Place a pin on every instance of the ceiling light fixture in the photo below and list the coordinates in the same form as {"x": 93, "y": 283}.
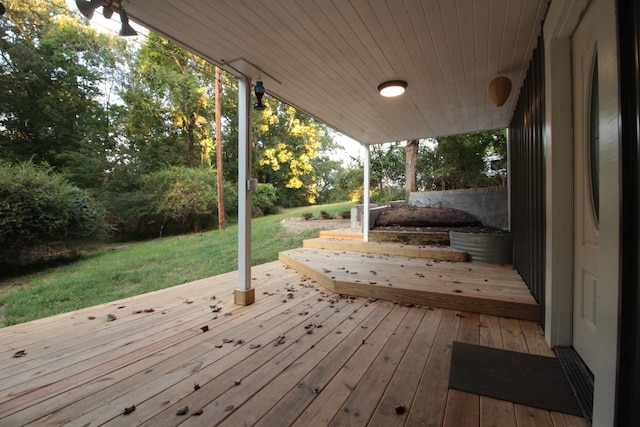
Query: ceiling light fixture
{"x": 392, "y": 88}
{"x": 87, "y": 7}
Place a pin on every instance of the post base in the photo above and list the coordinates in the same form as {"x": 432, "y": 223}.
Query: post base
{"x": 247, "y": 297}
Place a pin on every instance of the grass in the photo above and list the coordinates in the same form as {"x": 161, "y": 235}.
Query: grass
{"x": 119, "y": 272}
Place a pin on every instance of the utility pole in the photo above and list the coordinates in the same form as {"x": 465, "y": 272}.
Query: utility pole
{"x": 221, "y": 219}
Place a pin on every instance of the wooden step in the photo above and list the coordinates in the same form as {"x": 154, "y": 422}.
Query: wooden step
{"x": 473, "y": 287}
{"x": 342, "y": 234}
{"x": 410, "y": 237}
{"x": 442, "y": 253}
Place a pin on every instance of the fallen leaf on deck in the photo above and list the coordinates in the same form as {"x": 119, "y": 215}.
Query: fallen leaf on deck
{"x": 196, "y": 386}
{"x": 188, "y": 301}
{"x": 129, "y": 409}
{"x": 400, "y": 409}
{"x": 204, "y": 328}
{"x": 198, "y": 412}
{"x": 111, "y": 317}
{"x": 20, "y": 353}
{"x": 91, "y": 317}
{"x": 254, "y": 346}
{"x": 458, "y": 291}
{"x": 182, "y": 411}
{"x": 280, "y": 340}
{"x": 229, "y": 408}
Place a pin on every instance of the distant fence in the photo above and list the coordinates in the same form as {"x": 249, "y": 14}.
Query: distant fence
{"x": 489, "y": 205}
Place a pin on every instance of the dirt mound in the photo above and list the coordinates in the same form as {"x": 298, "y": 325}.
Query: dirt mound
{"x": 426, "y": 217}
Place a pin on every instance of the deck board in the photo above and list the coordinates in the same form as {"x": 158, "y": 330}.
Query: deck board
{"x": 366, "y": 358}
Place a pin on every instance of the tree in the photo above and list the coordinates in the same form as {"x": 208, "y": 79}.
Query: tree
{"x": 287, "y": 143}
{"x": 411, "y": 160}
{"x": 52, "y": 70}
{"x": 387, "y": 166}
{"x": 219, "y": 164}
{"x": 170, "y": 110}
{"x": 460, "y": 161}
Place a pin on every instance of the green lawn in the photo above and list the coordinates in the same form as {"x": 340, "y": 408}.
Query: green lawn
{"x": 141, "y": 267}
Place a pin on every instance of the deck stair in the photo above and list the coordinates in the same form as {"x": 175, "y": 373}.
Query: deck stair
{"x": 441, "y": 253}
{"x": 473, "y": 287}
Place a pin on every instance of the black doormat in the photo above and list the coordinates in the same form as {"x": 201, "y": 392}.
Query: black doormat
{"x": 530, "y": 380}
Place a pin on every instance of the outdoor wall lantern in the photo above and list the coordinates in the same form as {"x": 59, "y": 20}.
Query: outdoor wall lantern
{"x": 259, "y": 91}
{"x": 87, "y": 7}
{"x": 499, "y": 90}
{"x": 392, "y": 88}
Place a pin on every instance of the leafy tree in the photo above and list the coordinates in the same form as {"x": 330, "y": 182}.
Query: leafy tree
{"x": 349, "y": 183}
{"x": 287, "y": 143}
{"x": 52, "y": 70}
{"x": 170, "y": 110}
{"x": 387, "y": 166}
{"x": 460, "y": 161}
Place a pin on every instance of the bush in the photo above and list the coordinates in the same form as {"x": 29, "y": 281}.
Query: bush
{"x": 39, "y": 207}
{"x": 183, "y": 198}
{"x": 264, "y": 201}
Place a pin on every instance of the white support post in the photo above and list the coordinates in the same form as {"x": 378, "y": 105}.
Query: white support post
{"x": 244, "y": 295}
{"x": 367, "y": 185}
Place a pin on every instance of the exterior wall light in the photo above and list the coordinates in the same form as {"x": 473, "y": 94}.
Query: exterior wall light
{"x": 87, "y": 7}
{"x": 259, "y": 91}
{"x": 392, "y": 88}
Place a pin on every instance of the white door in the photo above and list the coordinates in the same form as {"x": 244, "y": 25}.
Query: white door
{"x": 586, "y": 193}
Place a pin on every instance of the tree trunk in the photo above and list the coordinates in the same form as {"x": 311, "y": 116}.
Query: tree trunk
{"x": 190, "y": 142}
{"x": 411, "y": 151}
{"x": 221, "y": 218}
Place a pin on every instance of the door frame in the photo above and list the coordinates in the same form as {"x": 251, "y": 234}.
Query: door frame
{"x": 561, "y": 20}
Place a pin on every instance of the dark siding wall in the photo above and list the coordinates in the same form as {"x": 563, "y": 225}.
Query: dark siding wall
{"x": 628, "y": 411}
{"x": 526, "y": 148}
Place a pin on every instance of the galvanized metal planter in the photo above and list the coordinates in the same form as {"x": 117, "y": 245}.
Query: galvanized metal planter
{"x": 484, "y": 247}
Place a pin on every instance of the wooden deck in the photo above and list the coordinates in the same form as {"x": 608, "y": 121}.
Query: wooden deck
{"x": 337, "y": 361}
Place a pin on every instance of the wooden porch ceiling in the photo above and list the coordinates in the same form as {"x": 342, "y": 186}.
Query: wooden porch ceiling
{"x": 338, "y": 361}
{"x": 328, "y": 57}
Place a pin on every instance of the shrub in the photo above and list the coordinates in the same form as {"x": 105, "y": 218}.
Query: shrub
{"x": 40, "y": 207}
{"x": 183, "y": 198}
{"x": 264, "y": 201}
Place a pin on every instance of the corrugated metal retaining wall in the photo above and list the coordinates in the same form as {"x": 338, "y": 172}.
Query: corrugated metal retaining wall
{"x": 527, "y": 173}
